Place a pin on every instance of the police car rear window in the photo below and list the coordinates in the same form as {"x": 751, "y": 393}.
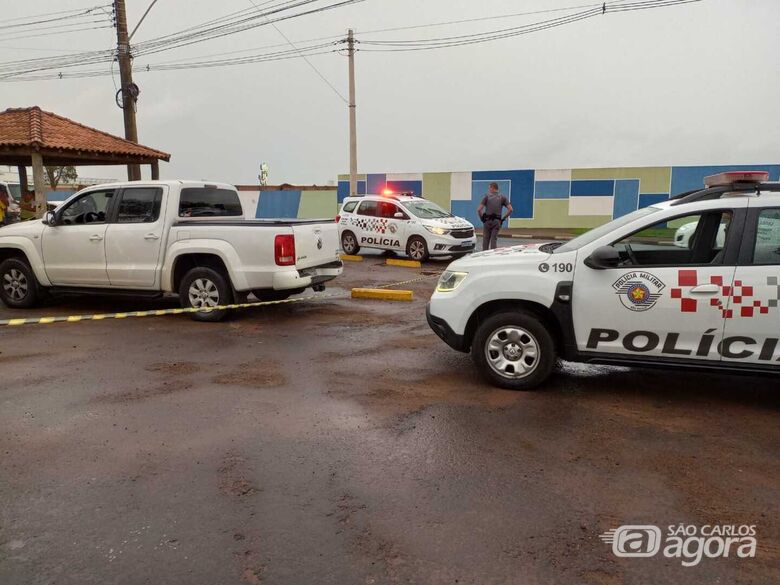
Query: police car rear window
{"x": 350, "y": 207}
{"x": 367, "y": 208}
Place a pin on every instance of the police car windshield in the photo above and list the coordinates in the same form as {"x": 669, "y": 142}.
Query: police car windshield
{"x": 426, "y": 209}
{"x": 596, "y": 233}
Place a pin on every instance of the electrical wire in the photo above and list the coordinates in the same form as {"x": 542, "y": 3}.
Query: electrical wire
{"x": 24, "y": 71}
{"x": 306, "y": 60}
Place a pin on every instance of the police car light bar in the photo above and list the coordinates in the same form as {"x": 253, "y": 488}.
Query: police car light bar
{"x": 730, "y": 177}
{"x": 387, "y": 192}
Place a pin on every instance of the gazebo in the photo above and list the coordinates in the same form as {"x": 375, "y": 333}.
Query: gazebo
{"x": 35, "y": 137}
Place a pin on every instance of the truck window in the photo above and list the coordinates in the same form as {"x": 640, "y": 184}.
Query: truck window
{"x": 767, "y": 248}
{"x": 89, "y": 208}
{"x": 209, "y": 202}
{"x": 139, "y": 205}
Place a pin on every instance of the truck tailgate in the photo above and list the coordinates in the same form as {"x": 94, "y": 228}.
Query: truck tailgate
{"x": 315, "y": 243}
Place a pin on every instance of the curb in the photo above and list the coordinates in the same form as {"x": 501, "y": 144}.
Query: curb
{"x": 382, "y": 294}
{"x": 406, "y": 263}
{"x": 349, "y": 258}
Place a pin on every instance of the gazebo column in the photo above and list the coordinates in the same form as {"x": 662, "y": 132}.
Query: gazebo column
{"x": 22, "y": 169}
{"x": 39, "y": 183}
{"x": 155, "y": 170}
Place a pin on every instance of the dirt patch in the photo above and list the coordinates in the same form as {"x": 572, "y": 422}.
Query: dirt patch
{"x": 267, "y": 374}
{"x": 233, "y": 479}
{"x": 167, "y": 387}
{"x": 174, "y": 368}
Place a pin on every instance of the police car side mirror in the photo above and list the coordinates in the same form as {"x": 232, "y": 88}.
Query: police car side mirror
{"x": 602, "y": 258}
{"x": 398, "y": 215}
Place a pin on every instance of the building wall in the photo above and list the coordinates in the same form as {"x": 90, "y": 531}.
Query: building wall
{"x": 551, "y": 198}
{"x": 542, "y": 198}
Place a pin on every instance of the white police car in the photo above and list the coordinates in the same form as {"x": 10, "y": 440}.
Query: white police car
{"x": 625, "y": 293}
{"x": 403, "y": 223}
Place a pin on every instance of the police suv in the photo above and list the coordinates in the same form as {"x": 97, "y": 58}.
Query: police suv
{"x": 403, "y": 223}
{"x": 627, "y": 293}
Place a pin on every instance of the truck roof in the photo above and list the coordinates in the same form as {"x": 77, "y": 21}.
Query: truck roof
{"x": 168, "y": 183}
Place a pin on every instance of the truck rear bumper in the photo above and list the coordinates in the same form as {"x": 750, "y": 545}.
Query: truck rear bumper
{"x": 307, "y": 277}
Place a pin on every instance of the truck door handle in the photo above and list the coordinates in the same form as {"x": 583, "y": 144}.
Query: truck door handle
{"x": 151, "y": 237}
{"x": 706, "y": 289}
{"x": 95, "y": 238}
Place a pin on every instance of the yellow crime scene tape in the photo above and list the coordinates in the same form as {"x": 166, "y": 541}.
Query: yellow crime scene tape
{"x": 154, "y": 313}
{"x": 182, "y": 311}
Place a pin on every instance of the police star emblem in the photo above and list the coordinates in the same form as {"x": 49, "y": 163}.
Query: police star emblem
{"x": 638, "y": 291}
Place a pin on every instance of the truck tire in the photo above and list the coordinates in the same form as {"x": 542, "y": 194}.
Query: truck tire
{"x": 417, "y": 249}
{"x": 18, "y": 285}
{"x": 205, "y": 287}
{"x": 514, "y": 350}
{"x": 349, "y": 243}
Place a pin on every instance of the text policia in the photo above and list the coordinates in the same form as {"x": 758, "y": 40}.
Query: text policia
{"x": 737, "y": 347}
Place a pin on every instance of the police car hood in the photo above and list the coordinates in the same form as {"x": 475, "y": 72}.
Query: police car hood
{"x": 449, "y": 223}
{"x": 512, "y": 255}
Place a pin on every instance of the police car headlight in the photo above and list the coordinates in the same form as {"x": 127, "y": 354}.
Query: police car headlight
{"x": 437, "y": 230}
{"x": 450, "y": 280}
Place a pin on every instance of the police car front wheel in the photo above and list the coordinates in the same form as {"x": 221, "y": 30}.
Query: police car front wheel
{"x": 349, "y": 243}
{"x": 417, "y": 249}
{"x": 514, "y": 350}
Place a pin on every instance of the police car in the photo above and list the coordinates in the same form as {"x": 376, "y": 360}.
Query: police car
{"x": 403, "y": 223}
{"x": 626, "y": 293}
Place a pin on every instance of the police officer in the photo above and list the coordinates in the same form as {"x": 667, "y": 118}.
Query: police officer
{"x": 490, "y": 211}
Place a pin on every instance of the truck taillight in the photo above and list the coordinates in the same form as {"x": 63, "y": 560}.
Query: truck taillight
{"x": 284, "y": 250}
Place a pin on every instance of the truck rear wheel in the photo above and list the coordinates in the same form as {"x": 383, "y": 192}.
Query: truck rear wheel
{"x": 514, "y": 350}
{"x": 202, "y": 288}
{"x": 18, "y": 286}
{"x": 349, "y": 243}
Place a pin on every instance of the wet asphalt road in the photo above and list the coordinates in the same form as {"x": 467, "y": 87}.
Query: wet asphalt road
{"x": 341, "y": 442}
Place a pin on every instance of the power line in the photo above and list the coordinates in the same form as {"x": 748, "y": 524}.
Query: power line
{"x": 24, "y": 72}
{"x": 493, "y": 35}
{"x": 308, "y": 62}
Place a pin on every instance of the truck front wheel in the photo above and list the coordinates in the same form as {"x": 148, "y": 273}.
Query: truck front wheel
{"x": 514, "y": 350}
{"x": 18, "y": 286}
{"x": 202, "y": 288}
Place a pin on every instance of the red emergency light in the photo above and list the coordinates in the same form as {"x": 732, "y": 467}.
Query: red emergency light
{"x": 387, "y": 192}
{"x": 730, "y": 177}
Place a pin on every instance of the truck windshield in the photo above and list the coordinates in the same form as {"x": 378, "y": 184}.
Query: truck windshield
{"x": 602, "y": 230}
{"x": 426, "y": 209}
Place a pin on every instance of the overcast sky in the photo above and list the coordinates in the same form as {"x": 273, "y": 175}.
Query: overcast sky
{"x": 694, "y": 84}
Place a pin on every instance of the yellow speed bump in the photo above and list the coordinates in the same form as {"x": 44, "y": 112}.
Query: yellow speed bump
{"x": 406, "y": 263}
{"x": 381, "y": 294}
{"x": 350, "y": 258}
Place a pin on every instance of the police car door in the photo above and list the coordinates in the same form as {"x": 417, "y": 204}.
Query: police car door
{"x": 394, "y": 227}
{"x": 363, "y": 222}
{"x": 752, "y": 333}
{"x": 667, "y": 296}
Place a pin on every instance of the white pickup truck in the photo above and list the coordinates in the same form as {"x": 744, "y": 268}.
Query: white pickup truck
{"x": 153, "y": 237}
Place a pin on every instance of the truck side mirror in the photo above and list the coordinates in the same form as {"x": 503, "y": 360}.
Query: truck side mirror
{"x": 602, "y": 258}
{"x": 49, "y": 218}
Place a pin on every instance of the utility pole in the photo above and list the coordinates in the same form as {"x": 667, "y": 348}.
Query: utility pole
{"x": 352, "y": 116}
{"x": 129, "y": 90}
